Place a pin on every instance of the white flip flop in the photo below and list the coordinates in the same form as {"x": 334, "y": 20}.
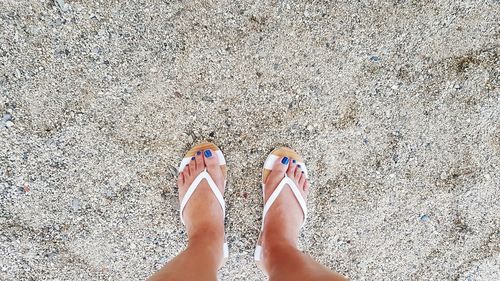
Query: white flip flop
{"x": 204, "y": 175}
{"x": 274, "y": 156}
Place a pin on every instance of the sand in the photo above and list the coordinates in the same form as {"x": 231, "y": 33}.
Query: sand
{"x": 395, "y": 106}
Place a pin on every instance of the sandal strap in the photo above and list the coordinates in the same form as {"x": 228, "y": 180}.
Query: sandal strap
{"x": 194, "y": 185}
{"x": 286, "y": 181}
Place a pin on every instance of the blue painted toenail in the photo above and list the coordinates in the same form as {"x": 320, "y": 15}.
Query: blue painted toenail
{"x": 192, "y": 158}
{"x": 198, "y": 152}
{"x": 294, "y": 161}
{"x": 208, "y": 153}
{"x": 284, "y": 160}
{"x": 302, "y": 172}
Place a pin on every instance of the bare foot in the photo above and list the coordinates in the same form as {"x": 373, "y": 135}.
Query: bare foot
{"x": 284, "y": 218}
{"x": 203, "y": 214}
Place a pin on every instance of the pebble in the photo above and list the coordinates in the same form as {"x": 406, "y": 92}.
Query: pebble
{"x": 9, "y": 124}
{"x": 63, "y": 6}
{"x": 7, "y": 117}
{"x": 76, "y": 204}
{"x": 163, "y": 260}
{"x": 26, "y": 187}
{"x": 425, "y": 218}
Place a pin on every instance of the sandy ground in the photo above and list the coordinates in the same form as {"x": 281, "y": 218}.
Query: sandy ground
{"x": 395, "y": 106}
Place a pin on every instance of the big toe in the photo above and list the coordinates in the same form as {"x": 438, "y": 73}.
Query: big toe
{"x": 210, "y": 157}
{"x": 213, "y": 167}
{"x": 278, "y": 171}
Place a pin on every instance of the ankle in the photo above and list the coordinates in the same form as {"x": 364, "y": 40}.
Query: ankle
{"x": 207, "y": 243}
{"x": 279, "y": 235}
{"x": 207, "y": 234}
{"x": 274, "y": 252}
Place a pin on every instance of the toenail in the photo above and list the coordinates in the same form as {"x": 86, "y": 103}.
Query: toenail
{"x": 302, "y": 172}
{"x": 294, "y": 161}
{"x": 298, "y": 165}
{"x": 208, "y": 153}
{"x": 284, "y": 160}
{"x": 192, "y": 158}
{"x": 198, "y": 152}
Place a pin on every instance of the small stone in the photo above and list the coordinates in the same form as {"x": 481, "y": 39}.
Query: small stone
{"x": 9, "y": 124}
{"x": 207, "y": 99}
{"x": 26, "y": 187}
{"x": 396, "y": 133}
{"x": 163, "y": 260}
{"x": 63, "y": 6}
{"x": 7, "y": 117}
{"x": 110, "y": 194}
{"x": 425, "y": 218}
{"x": 76, "y": 204}
{"x": 375, "y": 58}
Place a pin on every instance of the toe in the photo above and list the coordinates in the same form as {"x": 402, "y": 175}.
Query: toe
{"x": 291, "y": 169}
{"x": 213, "y": 168}
{"x": 278, "y": 170}
{"x": 306, "y": 186}
{"x": 192, "y": 166}
{"x": 185, "y": 171}
{"x": 200, "y": 164}
{"x": 210, "y": 158}
{"x": 281, "y": 165}
{"x": 180, "y": 179}
{"x": 301, "y": 180}
{"x": 298, "y": 173}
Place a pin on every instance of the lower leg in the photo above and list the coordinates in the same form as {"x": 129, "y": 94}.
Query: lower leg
{"x": 283, "y": 261}
{"x": 199, "y": 261}
{"x": 286, "y": 262}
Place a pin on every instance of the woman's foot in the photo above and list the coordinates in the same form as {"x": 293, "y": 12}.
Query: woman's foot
{"x": 285, "y": 217}
{"x": 203, "y": 214}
